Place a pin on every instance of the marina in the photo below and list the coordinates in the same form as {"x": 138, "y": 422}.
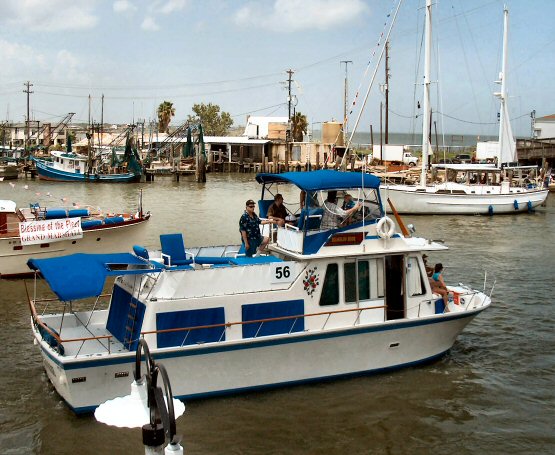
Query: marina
{"x": 485, "y": 369}
{"x": 328, "y": 226}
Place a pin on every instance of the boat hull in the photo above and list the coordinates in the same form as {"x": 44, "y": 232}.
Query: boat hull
{"x": 48, "y": 172}
{"x": 424, "y": 203}
{"x": 231, "y": 367}
{"x": 8, "y": 172}
{"x": 102, "y": 239}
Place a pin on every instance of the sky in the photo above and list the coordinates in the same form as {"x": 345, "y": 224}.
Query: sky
{"x": 235, "y": 53}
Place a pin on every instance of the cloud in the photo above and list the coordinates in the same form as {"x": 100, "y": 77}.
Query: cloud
{"x": 124, "y": 6}
{"x": 19, "y": 59}
{"x": 173, "y": 5}
{"x": 150, "y": 25}
{"x": 67, "y": 67}
{"x": 49, "y": 16}
{"x": 295, "y": 15}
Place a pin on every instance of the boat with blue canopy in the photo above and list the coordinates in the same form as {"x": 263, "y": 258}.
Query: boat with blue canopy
{"x": 322, "y": 301}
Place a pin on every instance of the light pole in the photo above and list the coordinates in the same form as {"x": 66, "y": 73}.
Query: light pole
{"x": 147, "y": 407}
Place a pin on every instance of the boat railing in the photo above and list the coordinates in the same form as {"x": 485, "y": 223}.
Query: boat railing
{"x": 473, "y": 275}
{"x": 261, "y": 322}
{"x": 59, "y": 341}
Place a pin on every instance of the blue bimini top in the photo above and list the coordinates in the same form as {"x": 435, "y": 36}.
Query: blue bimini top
{"x": 323, "y": 180}
{"x": 78, "y": 276}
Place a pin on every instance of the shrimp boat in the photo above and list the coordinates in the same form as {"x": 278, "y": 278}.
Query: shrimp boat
{"x": 42, "y": 232}
{"x": 321, "y": 304}
{"x": 71, "y": 167}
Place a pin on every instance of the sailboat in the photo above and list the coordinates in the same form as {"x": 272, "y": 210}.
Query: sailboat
{"x": 500, "y": 187}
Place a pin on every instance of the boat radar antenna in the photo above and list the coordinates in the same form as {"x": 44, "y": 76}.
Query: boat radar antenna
{"x": 357, "y": 121}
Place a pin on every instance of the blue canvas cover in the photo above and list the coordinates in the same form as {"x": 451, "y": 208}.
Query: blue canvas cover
{"x": 186, "y": 319}
{"x": 323, "y": 180}
{"x": 78, "y": 276}
{"x": 258, "y": 311}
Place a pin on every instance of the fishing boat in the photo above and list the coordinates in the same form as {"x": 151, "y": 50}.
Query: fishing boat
{"x": 43, "y": 232}
{"x": 71, "y": 167}
{"x": 9, "y": 170}
{"x": 321, "y": 303}
{"x": 475, "y": 188}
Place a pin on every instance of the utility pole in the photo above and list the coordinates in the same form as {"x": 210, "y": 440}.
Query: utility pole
{"x": 289, "y": 125}
{"x": 101, "y": 121}
{"x": 345, "y": 95}
{"x": 387, "y": 92}
{"x": 289, "y": 99}
{"x": 28, "y": 86}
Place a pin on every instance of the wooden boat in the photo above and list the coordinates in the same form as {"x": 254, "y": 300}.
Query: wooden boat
{"x": 38, "y": 232}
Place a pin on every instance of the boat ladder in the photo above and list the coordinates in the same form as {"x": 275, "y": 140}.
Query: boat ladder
{"x": 130, "y": 325}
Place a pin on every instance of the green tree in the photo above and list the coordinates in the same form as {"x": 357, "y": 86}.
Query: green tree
{"x": 3, "y": 135}
{"x": 299, "y": 124}
{"x": 165, "y": 113}
{"x": 209, "y": 116}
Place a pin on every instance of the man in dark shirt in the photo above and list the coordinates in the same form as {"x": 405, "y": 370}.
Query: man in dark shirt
{"x": 250, "y": 231}
{"x": 277, "y": 211}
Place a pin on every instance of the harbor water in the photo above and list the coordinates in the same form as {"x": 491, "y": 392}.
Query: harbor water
{"x": 492, "y": 393}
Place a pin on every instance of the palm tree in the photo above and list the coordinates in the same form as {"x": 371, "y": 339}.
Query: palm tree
{"x": 299, "y": 125}
{"x": 165, "y": 113}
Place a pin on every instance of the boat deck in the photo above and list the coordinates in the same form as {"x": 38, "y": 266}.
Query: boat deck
{"x": 90, "y": 338}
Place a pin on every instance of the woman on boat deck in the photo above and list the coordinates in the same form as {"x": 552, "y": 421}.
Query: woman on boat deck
{"x": 438, "y": 285}
{"x": 250, "y": 231}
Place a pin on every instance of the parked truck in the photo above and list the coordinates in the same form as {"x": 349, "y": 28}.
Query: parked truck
{"x": 394, "y": 153}
{"x": 487, "y": 151}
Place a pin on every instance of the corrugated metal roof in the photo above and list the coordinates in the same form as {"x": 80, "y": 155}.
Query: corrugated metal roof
{"x": 546, "y": 118}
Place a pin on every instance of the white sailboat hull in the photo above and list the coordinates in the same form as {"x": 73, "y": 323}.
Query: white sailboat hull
{"x": 14, "y": 256}
{"x": 227, "y": 367}
{"x": 482, "y": 201}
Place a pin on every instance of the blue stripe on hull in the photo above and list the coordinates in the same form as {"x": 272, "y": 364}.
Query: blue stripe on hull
{"x": 88, "y": 409}
{"x": 253, "y": 344}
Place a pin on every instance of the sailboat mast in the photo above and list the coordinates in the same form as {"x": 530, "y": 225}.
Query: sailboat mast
{"x": 427, "y": 112}
{"x": 503, "y": 94}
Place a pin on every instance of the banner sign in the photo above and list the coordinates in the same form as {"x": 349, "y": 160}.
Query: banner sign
{"x": 45, "y": 231}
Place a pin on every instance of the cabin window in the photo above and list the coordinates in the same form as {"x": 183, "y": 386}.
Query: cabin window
{"x": 415, "y": 281}
{"x": 350, "y": 280}
{"x": 330, "y": 289}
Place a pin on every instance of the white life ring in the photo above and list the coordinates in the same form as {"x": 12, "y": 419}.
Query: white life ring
{"x": 385, "y": 228}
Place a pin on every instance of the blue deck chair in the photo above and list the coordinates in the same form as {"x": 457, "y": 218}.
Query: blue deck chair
{"x": 173, "y": 250}
{"x": 142, "y": 252}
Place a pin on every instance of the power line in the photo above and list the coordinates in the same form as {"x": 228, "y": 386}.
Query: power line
{"x": 258, "y": 110}
{"x": 458, "y": 119}
{"x": 156, "y": 97}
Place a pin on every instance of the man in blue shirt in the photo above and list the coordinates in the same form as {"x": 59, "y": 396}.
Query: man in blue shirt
{"x": 250, "y": 230}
